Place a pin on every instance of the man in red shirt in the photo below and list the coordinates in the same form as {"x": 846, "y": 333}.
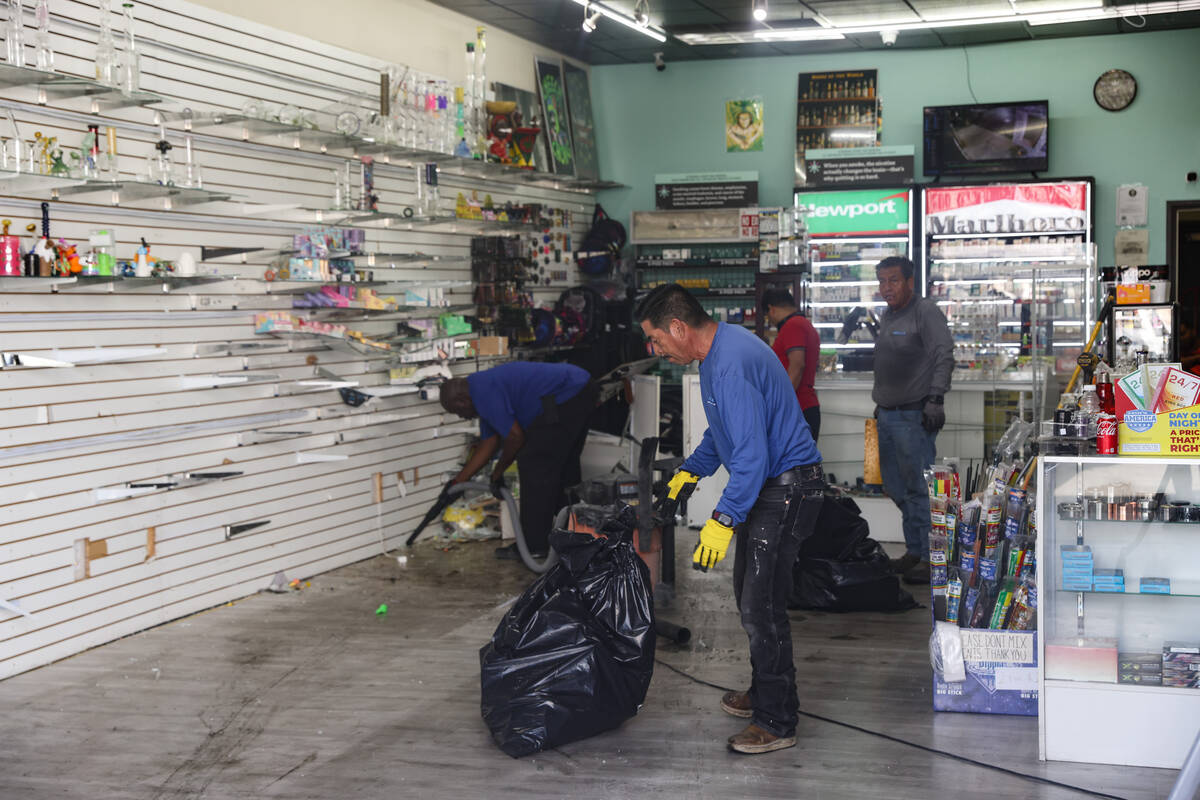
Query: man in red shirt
{"x": 799, "y": 349}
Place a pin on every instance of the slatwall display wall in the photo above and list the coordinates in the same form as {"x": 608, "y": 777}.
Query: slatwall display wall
{"x": 87, "y": 570}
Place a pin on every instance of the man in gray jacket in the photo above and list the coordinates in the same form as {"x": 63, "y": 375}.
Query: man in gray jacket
{"x": 914, "y": 356}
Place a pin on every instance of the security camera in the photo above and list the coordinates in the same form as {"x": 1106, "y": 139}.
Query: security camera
{"x": 889, "y": 37}
{"x": 659, "y": 63}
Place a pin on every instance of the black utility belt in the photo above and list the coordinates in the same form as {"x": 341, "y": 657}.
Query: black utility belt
{"x": 915, "y": 405}
{"x": 807, "y": 472}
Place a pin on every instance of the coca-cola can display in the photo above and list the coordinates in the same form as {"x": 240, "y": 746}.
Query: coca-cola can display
{"x": 1106, "y": 434}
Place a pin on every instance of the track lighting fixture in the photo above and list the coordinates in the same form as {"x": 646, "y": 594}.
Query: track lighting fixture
{"x": 641, "y": 13}
{"x": 589, "y": 21}
{"x": 760, "y": 10}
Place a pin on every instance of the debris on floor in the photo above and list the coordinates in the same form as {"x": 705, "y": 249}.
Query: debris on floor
{"x": 279, "y": 584}
{"x": 381, "y": 612}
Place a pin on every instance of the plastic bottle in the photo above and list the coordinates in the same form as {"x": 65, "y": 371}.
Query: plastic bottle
{"x": 1089, "y": 405}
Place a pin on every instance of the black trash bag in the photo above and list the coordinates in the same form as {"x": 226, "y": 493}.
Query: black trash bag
{"x": 574, "y": 655}
{"x": 841, "y": 568}
{"x": 839, "y": 528}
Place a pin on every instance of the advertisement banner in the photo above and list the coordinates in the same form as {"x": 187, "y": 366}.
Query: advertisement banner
{"x": 705, "y": 190}
{"x": 1011, "y": 208}
{"x": 860, "y": 166}
{"x": 867, "y": 212}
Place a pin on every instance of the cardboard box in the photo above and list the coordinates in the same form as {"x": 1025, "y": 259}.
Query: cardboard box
{"x": 1133, "y": 293}
{"x": 1172, "y": 431}
{"x": 490, "y": 345}
{"x": 1001, "y": 675}
{"x": 1082, "y": 660}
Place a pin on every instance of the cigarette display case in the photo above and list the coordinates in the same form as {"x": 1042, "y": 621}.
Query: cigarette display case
{"x": 1119, "y": 609}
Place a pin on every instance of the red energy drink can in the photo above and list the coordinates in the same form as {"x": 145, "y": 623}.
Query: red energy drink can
{"x": 1106, "y": 434}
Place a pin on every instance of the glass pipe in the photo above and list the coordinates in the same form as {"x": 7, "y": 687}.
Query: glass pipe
{"x": 131, "y": 68}
{"x": 43, "y": 52}
{"x": 14, "y": 34}
{"x": 108, "y": 69}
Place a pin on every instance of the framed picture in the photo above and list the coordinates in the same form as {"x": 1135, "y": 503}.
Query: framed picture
{"x": 744, "y": 125}
{"x": 531, "y": 114}
{"x": 583, "y": 126}
{"x": 556, "y": 121}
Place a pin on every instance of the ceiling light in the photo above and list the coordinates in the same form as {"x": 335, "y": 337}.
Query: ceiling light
{"x": 760, "y": 10}
{"x": 641, "y": 13}
{"x": 655, "y": 33}
{"x": 589, "y": 22}
{"x": 794, "y": 35}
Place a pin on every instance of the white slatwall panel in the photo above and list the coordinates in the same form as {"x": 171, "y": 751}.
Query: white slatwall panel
{"x": 65, "y": 432}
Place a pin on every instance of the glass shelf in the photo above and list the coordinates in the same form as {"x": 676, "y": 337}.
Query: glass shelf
{"x": 444, "y": 223}
{"x": 1185, "y": 589}
{"x": 373, "y": 259}
{"x": 136, "y": 191}
{"x": 60, "y": 86}
{"x": 701, "y": 262}
{"x": 301, "y": 287}
{"x": 14, "y": 183}
{"x": 385, "y": 153}
{"x": 55, "y": 284}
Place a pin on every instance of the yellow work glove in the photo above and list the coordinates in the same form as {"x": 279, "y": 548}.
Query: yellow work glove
{"x": 679, "y": 489}
{"x": 714, "y": 541}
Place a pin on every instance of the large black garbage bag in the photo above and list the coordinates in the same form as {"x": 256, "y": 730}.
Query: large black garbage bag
{"x": 574, "y": 655}
{"x": 840, "y": 568}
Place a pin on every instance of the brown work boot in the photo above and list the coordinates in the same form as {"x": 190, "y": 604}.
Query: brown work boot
{"x": 904, "y": 563}
{"x": 737, "y": 704}
{"x": 755, "y": 740}
{"x": 918, "y": 575}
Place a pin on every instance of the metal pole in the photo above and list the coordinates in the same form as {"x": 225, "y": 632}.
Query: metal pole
{"x": 1187, "y": 784}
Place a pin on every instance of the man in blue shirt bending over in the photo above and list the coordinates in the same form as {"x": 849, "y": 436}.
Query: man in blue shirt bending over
{"x": 534, "y": 413}
{"x": 756, "y": 430}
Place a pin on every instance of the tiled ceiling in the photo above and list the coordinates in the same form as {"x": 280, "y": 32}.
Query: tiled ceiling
{"x": 557, "y": 24}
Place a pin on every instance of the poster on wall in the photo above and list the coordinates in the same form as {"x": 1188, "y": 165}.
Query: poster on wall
{"x": 531, "y": 115}
{"x": 744, "y": 125}
{"x": 860, "y": 166}
{"x": 583, "y": 126}
{"x": 676, "y": 191}
{"x": 556, "y": 123}
{"x": 835, "y": 110}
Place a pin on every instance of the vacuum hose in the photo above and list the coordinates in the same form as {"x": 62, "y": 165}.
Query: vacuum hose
{"x": 560, "y": 520}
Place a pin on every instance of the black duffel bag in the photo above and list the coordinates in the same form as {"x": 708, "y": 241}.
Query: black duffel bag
{"x": 574, "y": 656}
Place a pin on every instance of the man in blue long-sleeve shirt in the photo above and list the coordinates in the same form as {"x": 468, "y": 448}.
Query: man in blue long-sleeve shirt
{"x": 756, "y": 430}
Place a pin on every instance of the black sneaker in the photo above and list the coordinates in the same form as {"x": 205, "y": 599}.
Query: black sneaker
{"x": 904, "y": 563}
{"x": 918, "y": 575}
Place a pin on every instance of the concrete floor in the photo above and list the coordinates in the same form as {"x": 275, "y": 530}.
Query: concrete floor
{"x": 311, "y": 695}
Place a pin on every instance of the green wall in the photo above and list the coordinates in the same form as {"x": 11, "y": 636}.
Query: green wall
{"x": 652, "y": 122}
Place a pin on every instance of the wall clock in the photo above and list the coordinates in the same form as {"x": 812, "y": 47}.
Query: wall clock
{"x": 1115, "y": 90}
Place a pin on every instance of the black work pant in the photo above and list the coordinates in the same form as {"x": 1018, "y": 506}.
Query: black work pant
{"x": 549, "y": 463}
{"x": 813, "y": 417}
{"x": 767, "y": 545}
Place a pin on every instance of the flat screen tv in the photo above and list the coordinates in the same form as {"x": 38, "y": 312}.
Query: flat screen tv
{"x": 986, "y": 138}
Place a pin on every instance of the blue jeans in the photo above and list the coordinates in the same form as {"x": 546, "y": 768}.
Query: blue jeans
{"x": 906, "y": 450}
{"x": 767, "y": 545}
